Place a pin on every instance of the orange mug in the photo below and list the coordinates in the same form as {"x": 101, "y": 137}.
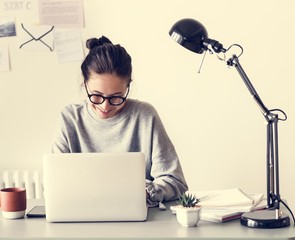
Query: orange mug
{"x": 13, "y": 202}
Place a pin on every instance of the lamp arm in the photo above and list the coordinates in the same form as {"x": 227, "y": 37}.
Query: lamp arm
{"x": 272, "y": 159}
{"x": 234, "y": 61}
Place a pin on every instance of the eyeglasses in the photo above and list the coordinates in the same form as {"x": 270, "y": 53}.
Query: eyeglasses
{"x": 113, "y": 100}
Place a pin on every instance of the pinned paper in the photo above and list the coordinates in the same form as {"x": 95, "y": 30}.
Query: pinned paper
{"x": 4, "y": 59}
{"x": 20, "y": 8}
{"x": 36, "y": 37}
{"x": 7, "y": 27}
{"x": 68, "y": 46}
{"x": 62, "y": 13}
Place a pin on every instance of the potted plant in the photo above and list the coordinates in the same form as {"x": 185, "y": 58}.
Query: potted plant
{"x": 187, "y": 212}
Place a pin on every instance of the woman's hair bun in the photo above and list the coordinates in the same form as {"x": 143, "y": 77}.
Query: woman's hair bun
{"x": 94, "y": 42}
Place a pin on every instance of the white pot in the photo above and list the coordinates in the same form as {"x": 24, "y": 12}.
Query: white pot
{"x": 188, "y": 217}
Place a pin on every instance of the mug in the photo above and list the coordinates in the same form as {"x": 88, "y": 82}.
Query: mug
{"x": 13, "y": 202}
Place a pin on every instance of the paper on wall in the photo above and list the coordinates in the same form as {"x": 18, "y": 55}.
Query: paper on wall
{"x": 36, "y": 37}
{"x": 4, "y": 59}
{"x": 68, "y": 46}
{"x": 7, "y": 26}
{"x": 69, "y": 14}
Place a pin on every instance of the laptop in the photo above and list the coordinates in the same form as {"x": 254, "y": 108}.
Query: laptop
{"x": 87, "y": 187}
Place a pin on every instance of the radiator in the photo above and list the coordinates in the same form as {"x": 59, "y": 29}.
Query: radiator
{"x": 31, "y": 180}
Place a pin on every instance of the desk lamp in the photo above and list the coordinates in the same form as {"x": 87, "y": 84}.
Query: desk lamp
{"x": 192, "y": 35}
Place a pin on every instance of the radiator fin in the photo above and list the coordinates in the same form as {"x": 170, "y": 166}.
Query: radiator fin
{"x": 32, "y": 180}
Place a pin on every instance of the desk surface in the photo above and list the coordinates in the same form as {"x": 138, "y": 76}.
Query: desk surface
{"x": 159, "y": 225}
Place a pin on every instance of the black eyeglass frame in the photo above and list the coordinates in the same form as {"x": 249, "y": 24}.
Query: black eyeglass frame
{"x": 123, "y": 99}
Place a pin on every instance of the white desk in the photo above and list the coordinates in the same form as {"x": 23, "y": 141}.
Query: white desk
{"x": 159, "y": 225}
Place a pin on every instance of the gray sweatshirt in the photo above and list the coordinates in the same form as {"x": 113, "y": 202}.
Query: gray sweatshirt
{"x": 137, "y": 128}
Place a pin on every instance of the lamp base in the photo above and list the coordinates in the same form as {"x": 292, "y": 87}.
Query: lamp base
{"x": 265, "y": 219}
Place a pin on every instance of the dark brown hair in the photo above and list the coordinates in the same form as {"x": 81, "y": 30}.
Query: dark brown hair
{"x": 105, "y": 57}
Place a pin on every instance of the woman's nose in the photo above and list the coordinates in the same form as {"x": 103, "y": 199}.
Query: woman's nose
{"x": 105, "y": 104}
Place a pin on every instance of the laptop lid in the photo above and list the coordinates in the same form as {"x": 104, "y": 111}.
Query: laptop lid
{"x": 82, "y": 187}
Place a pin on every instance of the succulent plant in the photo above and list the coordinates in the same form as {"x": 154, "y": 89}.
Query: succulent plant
{"x": 188, "y": 200}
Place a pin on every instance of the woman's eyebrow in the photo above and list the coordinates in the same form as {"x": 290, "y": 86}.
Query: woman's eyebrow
{"x": 100, "y": 93}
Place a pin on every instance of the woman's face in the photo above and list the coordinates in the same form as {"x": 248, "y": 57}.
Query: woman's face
{"x": 107, "y": 85}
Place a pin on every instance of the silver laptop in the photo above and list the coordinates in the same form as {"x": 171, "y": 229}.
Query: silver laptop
{"x": 82, "y": 187}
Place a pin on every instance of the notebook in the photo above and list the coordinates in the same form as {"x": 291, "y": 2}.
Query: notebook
{"x": 85, "y": 187}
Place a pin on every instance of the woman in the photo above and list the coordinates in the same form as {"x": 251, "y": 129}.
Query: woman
{"x": 109, "y": 122}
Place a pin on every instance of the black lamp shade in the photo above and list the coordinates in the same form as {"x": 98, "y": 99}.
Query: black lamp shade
{"x": 190, "y": 34}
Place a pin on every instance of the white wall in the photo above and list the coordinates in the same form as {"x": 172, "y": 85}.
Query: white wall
{"x": 217, "y": 129}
